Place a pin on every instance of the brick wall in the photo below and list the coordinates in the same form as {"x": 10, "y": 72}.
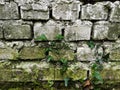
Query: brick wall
{"x": 23, "y": 56}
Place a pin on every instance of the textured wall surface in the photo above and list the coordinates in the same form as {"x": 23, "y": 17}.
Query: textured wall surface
{"x": 23, "y": 56}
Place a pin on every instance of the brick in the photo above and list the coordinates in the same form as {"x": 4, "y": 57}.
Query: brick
{"x": 26, "y": 72}
{"x": 93, "y": 12}
{"x": 32, "y": 53}
{"x": 75, "y": 71}
{"x": 80, "y": 30}
{"x": 34, "y": 15}
{"x": 9, "y": 11}
{"x": 115, "y": 12}
{"x": 111, "y": 72}
{"x": 106, "y": 30}
{"x": 84, "y": 53}
{"x": 8, "y": 53}
{"x": 15, "y": 29}
{"x": 35, "y": 10}
{"x": 62, "y": 54}
{"x": 113, "y": 49}
{"x": 50, "y": 29}
{"x": 66, "y": 10}
{"x": 17, "y": 32}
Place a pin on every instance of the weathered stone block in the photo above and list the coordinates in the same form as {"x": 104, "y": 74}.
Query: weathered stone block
{"x": 13, "y": 75}
{"x": 66, "y": 10}
{"x": 62, "y": 54}
{"x": 38, "y": 70}
{"x": 51, "y": 29}
{"x": 32, "y": 53}
{"x": 34, "y": 15}
{"x": 115, "y": 54}
{"x": 8, "y": 53}
{"x": 26, "y": 72}
{"x": 115, "y": 12}
{"x": 97, "y": 11}
{"x": 17, "y": 32}
{"x": 111, "y": 72}
{"x": 75, "y": 71}
{"x": 113, "y": 49}
{"x": 35, "y": 10}
{"x": 44, "y": 3}
{"x": 9, "y": 11}
{"x": 85, "y": 53}
{"x": 80, "y": 30}
{"x": 106, "y": 30}
{"x": 113, "y": 75}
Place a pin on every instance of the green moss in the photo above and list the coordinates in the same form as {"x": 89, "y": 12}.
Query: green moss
{"x": 76, "y": 74}
{"x": 15, "y": 89}
{"x": 115, "y": 54}
{"x": 32, "y": 53}
{"x": 114, "y": 32}
{"x": 75, "y": 71}
{"x": 66, "y": 54}
{"x": 111, "y": 75}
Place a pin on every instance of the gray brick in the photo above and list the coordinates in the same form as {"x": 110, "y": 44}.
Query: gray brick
{"x": 66, "y": 10}
{"x": 9, "y": 11}
{"x": 17, "y": 32}
{"x": 80, "y": 30}
{"x": 50, "y": 29}
{"x": 115, "y": 12}
{"x": 106, "y": 30}
{"x": 94, "y": 12}
{"x": 8, "y": 53}
{"x": 35, "y": 10}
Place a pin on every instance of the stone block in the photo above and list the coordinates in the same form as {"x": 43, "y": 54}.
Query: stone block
{"x": 8, "y": 53}
{"x": 62, "y": 54}
{"x": 16, "y": 29}
{"x": 111, "y": 75}
{"x": 42, "y": 2}
{"x": 115, "y": 54}
{"x": 111, "y": 72}
{"x": 115, "y": 12}
{"x": 38, "y": 70}
{"x": 114, "y": 50}
{"x": 97, "y": 11}
{"x": 84, "y": 53}
{"x": 26, "y": 72}
{"x": 35, "y": 10}
{"x": 32, "y": 53}
{"x": 106, "y": 30}
{"x": 14, "y": 75}
{"x": 34, "y": 15}
{"x": 17, "y": 32}
{"x": 9, "y": 11}
{"x": 75, "y": 71}
{"x": 80, "y": 30}
{"x": 50, "y": 29}
{"x": 66, "y": 10}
